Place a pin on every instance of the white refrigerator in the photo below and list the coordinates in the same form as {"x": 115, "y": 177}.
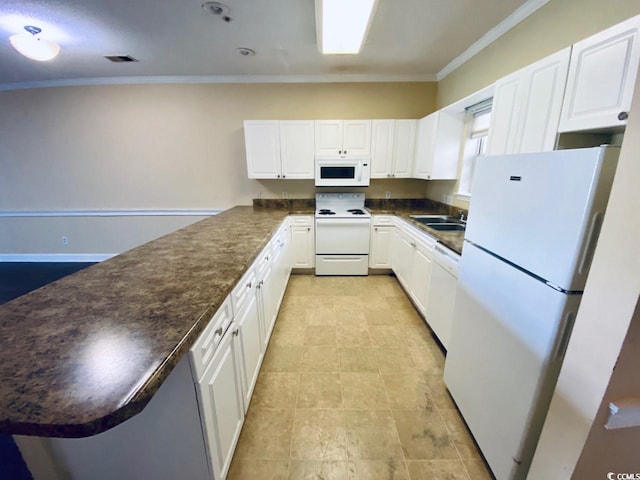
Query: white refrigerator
{"x": 534, "y": 221}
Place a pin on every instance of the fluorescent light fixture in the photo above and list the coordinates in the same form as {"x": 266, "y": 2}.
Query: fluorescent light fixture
{"x": 342, "y": 25}
{"x": 33, "y": 47}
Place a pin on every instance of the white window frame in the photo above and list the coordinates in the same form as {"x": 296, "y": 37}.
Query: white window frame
{"x": 475, "y": 144}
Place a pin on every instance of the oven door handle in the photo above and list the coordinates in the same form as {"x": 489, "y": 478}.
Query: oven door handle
{"x": 359, "y": 222}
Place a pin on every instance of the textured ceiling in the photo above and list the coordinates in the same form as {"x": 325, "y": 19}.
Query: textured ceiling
{"x": 408, "y": 38}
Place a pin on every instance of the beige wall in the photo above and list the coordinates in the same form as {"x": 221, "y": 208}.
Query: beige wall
{"x": 558, "y": 24}
{"x": 162, "y": 147}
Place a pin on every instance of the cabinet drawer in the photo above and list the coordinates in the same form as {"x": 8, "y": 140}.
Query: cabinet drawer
{"x": 204, "y": 347}
{"x": 244, "y": 289}
{"x": 382, "y": 220}
{"x": 301, "y": 220}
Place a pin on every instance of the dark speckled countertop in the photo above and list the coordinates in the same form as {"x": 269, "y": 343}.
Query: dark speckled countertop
{"x": 451, "y": 240}
{"x": 87, "y": 352}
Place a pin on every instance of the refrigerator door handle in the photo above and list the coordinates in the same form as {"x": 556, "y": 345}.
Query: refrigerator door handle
{"x": 590, "y": 244}
{"x": 563, "y": 342}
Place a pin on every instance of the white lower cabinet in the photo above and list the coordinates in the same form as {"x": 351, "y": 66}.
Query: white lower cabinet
{"x": 249, "y": 335}
{"x": 225, "y": 377}
{"x": 221, "y": 404}
{"x": 303, "y": 241}
{"x": 411, "y": 261}
{"x": 379, "y": 255}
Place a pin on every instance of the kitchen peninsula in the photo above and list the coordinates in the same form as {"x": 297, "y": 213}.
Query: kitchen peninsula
{"x": 90, "y": 351}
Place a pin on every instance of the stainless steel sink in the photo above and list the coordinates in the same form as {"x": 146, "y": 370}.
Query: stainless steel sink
{"x": 446, "y": 227}
{"x": 425, "y": 219}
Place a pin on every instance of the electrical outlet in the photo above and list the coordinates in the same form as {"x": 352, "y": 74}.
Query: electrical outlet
{"x": 285, "y": 195}
{"x": 65, "y": 240}
{"x": 387, "y": 194}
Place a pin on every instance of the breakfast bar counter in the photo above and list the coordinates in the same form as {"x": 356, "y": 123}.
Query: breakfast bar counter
{"x": 85, "y": 353}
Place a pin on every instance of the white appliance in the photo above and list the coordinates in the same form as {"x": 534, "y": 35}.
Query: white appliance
{"x": 342, "y": 234}
{"x": 350, "y": 171}
{"x": 443, "y": 282}
{"x": 533, "y": 225}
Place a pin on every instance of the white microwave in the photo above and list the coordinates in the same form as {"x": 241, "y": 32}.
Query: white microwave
{"x": 350, "y": 171}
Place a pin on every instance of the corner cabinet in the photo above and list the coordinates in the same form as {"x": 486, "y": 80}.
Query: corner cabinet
{"x": 342, "y": 137}
{"x": 438, "y": 144}
{"x": 411, "y": 253}
{"x": 601, "y": 79}
{"x": 279, "y": 149}
{"x": 526, "y": 107}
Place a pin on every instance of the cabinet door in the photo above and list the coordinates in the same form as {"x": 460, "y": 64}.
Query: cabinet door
{"x": 249, "y": 333}
{"x": 328, "y": 139}
{"x": 419, "y": 277}
{"x": 505, "y": 114}
{"x": 403, "y": 148}
{"x": 222, "y": 412}
{"x": 302, "y": 246}
{"x": 262, "y": 143}
{"x": 297, "y": 148}
{"x": 543, "y": 92}
{"x": 401, "y": 256}
{"x": 424, "y": 146}
{"x": 356, "y": 137}
{"x": 382, "y": 134}
{"x": 380, "y": 247}
{"x": 267, "y": 304}
{"x": 447, "y": 145}
{"x": 601, "y": 78}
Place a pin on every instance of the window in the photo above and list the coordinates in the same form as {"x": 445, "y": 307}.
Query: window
{"x": 475, "y": 145}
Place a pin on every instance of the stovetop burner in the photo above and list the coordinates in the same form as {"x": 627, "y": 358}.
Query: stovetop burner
{"x": 326, "y": 211}
{"x": 356, "y": 211}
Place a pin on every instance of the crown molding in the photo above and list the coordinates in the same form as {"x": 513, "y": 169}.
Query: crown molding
{"x": 197, "y": 79}
{"x": 524, "y": 11}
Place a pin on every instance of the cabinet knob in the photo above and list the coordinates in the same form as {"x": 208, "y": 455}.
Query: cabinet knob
{"x": 623, "y": 115}
{"x": 235, "y": 332}
{"x": 219, "y": 331}
{"x": 345, "y": 152}
{"x": 376, "y": 229}
{"x": 389, "y": 175}
{"x": 339, "y": 151}
{"x": 248, "y": 285}
{"x": 393, "y": 174}
{"x": 308, "y": 229}
{"x": 278, "y": 175}
{"x": 413, "y": 244}
{"x": 284, "y": 176}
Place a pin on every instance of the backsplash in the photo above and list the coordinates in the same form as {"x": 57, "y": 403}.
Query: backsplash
{"x": 378, "y": 203}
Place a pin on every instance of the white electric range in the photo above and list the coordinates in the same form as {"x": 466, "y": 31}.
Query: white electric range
{"x": 343, "y": 227}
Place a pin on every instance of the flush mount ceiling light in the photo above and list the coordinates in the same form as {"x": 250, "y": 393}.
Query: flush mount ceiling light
{"x": 34, "y": 47}
{"x": 342, "y": 25}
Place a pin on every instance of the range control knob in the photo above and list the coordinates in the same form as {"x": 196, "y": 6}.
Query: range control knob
{"x": 623, "y": 116}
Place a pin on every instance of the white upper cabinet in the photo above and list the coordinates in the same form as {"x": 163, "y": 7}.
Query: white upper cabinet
{"x": 392, "y": 148}
{"x": 404, "y": 148}
{"x": 438, "y": 144}
{"x": 526, "y": 107}
{"x": 601, "y": 79}
{"x": 343, "y": 137}
{"x": 279, "y": 149}
{"x": 382, "y": 134}
{"x": 262, "y": 143}
{"x": 297, "y": 148}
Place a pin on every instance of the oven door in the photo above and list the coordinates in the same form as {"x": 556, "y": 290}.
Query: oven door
{"x": 342, "y": 236}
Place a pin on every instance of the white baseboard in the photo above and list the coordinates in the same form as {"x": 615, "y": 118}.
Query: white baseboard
{"x": 55, "y": 257}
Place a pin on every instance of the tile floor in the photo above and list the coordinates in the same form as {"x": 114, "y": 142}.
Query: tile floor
{"x": 351, "y": 388}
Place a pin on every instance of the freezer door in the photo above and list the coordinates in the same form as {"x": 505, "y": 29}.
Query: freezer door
{"x": 508, "y": 338}
{"x": 543, "y": 211}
